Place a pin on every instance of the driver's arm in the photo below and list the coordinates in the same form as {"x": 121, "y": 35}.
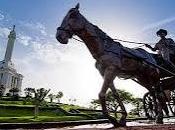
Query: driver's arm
{"x": 152, "y": 48}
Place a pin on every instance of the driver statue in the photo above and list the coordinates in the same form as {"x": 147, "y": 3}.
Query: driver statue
{"x": 165, "y": 47}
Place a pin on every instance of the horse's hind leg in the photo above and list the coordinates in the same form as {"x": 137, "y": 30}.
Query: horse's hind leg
{"x": 159, "y": 95}
{"x": 122, "y": 121}
{"x": 109, "y": 75}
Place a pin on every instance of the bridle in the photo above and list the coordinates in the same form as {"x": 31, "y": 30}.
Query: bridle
{"x": 68, "y": 31}
{"x": 71, "y": 30}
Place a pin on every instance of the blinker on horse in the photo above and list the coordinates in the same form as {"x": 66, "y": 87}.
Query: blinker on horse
{"x": 111, "y": 60}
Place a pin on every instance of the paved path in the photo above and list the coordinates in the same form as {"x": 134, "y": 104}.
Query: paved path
{"x": 134, "y": 125}
{"x": 148, "y": 127}
{"x": 139, "y": 125}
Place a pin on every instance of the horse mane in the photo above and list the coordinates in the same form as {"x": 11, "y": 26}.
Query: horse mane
{"x": 101, "y": 33}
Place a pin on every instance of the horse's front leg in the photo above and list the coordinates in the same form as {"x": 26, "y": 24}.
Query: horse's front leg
{"x": 122, "y": 121}
{"x": 109, "y": 75}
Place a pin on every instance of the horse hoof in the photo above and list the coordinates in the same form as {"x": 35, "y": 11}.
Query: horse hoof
{"x": 122, "y": 122}
{"x": 114, "y": 122}
{"x": 159, "y": 121}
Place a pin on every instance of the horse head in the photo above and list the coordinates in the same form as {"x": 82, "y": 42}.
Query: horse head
{"x": 71, "y": 23}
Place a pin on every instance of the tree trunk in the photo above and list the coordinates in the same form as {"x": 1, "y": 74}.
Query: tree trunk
{"x": 36, "y": 111}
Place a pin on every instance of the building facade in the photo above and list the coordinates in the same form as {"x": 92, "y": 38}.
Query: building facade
{"x": 9, "y": 78}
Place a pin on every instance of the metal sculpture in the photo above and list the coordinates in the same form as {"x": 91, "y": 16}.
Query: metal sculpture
{"x": 112, "y": 59}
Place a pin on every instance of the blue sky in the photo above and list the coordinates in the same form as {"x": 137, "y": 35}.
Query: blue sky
{"x": 46, "y": 63}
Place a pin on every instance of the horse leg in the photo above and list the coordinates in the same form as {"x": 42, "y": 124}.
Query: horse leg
{"x": 122, "y": 121}
{"x": 166, "y": 98}
{"x": 159, "y": 96}
{"x": 108, "y": 79}
{"x": 153, "y": 93}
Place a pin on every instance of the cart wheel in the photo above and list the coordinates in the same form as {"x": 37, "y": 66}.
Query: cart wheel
{"x": 149, "y": 106}
{"x": 172, "y": 102}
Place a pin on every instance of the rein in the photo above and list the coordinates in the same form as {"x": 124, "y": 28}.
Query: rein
{"x": 157, "y": 66}
{"x": 114, "y": 39}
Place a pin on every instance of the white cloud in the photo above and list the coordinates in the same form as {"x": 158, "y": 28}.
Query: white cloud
{"x": 41, "y": 27}
{"x": 74, "y": 77}
{"x": 158, "y": 24}
{"x": 24, "y": 39}
{"x": 4, "y": 32}
{"x": 35, "y": 26}
{"x": 1, "y": 16}
{"x": 47, "y": 53}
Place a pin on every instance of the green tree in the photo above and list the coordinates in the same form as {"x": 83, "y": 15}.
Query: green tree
{"x": 138, "y": 104}
{"x": 39, "y": 95}
{"x": 51, "y": 97}
{"x": 72, "y": 101}
{"x": 59, "y": 96}
{"x": 14, "y": 92}
{"x": 125, "y": 96}
{"x": 8, "y": 94}
{"x": 2, "y": 89}
{"x": 28, "y": 92}
{"x": 28, "y": 95}
{"x": 95, "y": 103}
{"x": 111, "y": 102}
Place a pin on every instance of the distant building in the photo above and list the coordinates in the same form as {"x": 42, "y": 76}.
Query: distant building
{"x": 9, "y": 78}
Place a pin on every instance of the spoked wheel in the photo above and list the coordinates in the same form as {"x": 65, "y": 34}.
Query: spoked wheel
{"x": 172, "y": 102}
{"x": 150, "y": 106}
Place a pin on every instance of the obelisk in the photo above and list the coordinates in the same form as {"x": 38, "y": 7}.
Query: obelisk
{"x": 10, "y": 45}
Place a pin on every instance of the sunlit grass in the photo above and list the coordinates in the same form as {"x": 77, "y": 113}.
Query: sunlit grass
{"x": 40, "y": 119}
{"x": 17, "y": 112}
{"x": 27, "y": 110}
{"x": 68, "y": 107}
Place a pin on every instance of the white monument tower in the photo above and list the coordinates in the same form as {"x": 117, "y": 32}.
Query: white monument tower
{"x": 9, "y": 78}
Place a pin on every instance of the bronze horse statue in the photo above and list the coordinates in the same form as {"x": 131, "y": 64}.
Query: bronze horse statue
{"x": 112, "y": 59}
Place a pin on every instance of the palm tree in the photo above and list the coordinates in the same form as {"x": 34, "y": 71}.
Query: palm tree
{"x": 14, "y": 91}
{"x": 51, "y": 97}
{"x": 28, "y": 92}
{"x": 59, "y": 96}
{"x": 72, "y": 101}
{"x": 28, "y": 95}
{"x": 39, "y": 96}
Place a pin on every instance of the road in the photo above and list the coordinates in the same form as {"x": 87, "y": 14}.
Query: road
{"x": 135, "y": 125}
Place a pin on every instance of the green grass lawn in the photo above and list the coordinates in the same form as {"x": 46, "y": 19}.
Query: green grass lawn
{"x": 27, "y": 110}
{"x": 68, "y": 107}
{"x": 26, "y": 119}
{"x": 11, "y": 102}
{"x": 16, "y": 113}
